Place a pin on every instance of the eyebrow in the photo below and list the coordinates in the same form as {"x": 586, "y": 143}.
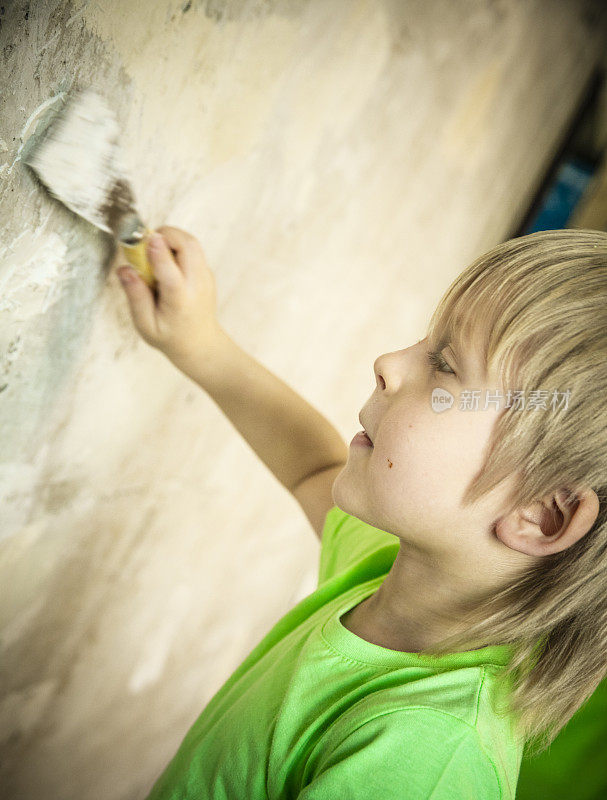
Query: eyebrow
{"x": 444, "y": 343}
{"x": 467, "y": 365}
{"x": 456, "y": 356}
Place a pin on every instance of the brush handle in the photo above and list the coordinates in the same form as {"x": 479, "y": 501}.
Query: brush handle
{"x": 137, "y": 257}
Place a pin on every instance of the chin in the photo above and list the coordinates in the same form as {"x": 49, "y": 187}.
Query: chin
{"x": 347, "y": 497}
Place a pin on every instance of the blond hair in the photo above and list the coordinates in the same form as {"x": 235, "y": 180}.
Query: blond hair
{"x": 538, "y": 306}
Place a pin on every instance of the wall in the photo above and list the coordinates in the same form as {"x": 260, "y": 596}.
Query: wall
{"x": 340, "y": 161}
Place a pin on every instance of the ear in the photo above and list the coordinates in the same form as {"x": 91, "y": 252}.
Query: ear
{"x": 551, "y": 524}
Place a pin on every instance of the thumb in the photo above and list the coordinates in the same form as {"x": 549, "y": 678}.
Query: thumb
{"x": 140, "y": 299}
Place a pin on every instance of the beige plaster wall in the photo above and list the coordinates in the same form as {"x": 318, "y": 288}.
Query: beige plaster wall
{"x": 340, "y": 161}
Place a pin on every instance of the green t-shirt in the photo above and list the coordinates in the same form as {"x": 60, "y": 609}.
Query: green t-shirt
{"x": 314, "y": 712}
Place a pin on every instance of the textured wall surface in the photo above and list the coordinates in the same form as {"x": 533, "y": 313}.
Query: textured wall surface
{"x": 340, "y": 161}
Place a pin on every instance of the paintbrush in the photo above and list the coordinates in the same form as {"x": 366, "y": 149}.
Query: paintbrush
{"x": 79, "y": 160}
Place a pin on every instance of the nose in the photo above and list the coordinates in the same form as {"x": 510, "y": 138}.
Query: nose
{"x": 378, "y": 367}
{"x": 388, "y": 368}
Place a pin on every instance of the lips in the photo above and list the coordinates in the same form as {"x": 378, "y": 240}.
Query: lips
{"x": 362, "y": 440}
{"x": 364, "y": 429}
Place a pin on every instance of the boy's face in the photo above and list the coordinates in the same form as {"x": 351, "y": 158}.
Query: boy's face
{"x": 411, "y": 482}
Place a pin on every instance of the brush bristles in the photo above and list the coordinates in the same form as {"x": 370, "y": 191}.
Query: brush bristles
{"x": 79, "y": 159}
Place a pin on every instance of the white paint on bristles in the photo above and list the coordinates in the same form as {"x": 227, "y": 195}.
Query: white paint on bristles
{"x": 79, "y": 158}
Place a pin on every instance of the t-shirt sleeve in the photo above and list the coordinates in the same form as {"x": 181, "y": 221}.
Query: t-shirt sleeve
{"x": 408, "y": 754}
{"x": 346, "y": 540}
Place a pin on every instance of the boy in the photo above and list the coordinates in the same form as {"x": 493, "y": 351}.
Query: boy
{"x": 461, "y": 546}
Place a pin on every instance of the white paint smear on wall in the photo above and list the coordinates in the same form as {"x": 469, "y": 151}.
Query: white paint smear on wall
{"x": 156, "y": 647}
{"x": 32, "y": 122}
{"x": 34, "y": 267}
{"x": 22, "y": 710}
{"x": 19, "y": 482}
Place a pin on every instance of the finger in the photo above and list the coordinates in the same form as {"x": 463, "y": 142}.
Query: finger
{"x": 183, "y": 244}
{"x": 166, "y": 271}
{"x": 141, "y": 300}
{"x": 176, "y": 238}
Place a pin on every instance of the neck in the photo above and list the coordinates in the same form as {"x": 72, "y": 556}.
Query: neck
{"x": 418, "y": 604}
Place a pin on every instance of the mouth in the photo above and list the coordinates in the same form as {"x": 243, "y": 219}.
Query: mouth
{"x": 361, "y": 438}
{"x": 364, "y": 431}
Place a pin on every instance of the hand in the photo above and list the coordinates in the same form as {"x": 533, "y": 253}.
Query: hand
{"x": 178, "y": 317}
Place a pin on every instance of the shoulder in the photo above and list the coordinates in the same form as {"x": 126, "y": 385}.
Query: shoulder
{"x": 413, "y": 752}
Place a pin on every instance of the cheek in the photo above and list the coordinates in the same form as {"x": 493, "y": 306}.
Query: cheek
{"x": 426, "y": 463}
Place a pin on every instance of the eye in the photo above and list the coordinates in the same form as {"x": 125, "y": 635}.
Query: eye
{"x": 436, "y": 361}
